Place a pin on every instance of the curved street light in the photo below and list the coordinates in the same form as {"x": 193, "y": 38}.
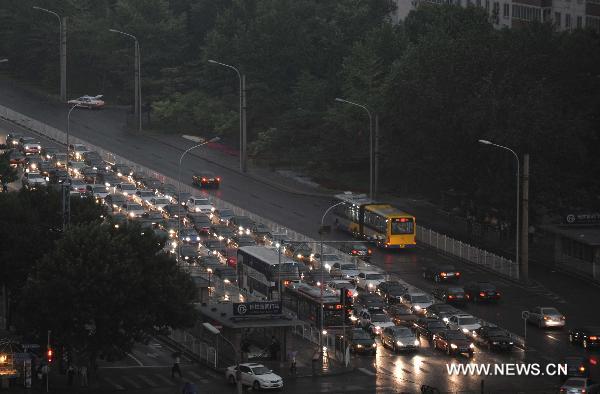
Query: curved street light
{"x": 62, "y": 49}
{"x": 137, "y": 77}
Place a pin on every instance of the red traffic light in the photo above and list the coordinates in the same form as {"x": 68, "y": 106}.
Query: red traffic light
{"x": 49, "y": 354}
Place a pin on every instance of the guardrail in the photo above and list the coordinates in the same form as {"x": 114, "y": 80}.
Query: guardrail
{"x": 200, "y": 349}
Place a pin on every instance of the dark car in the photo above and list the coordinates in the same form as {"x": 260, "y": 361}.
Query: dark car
{"x": 109, "y": 179}
{"x": 174, "y": 211}
{"x": 200, "y": 221}
{"x": 577, "y": 367}
{"x": 450, "y": 295}
{"x": 495, "y": 338}
{"x": 370, "y": 301}
{"x": 441, "y": 273}
{"x": 317, "y": 277}
{"x": 242, "y": 240}
{"x": 214, "y": 246}
{"x": 188, "y": 253}
{"x": 57, "y": 175}
{"x": 206, "y": 179}
{"x": 441, "y": 312}
{"x": 49, "y": 151}
{"x": 357, "y": 249}
{"x": 122, "y": 170}
{"x": 114, "y": 201}
{"x": 221, "y": 232}
{"x": 361, "y": 342}
{"x": 300, "y": 251}
{"x": 189, "y": 236}
{"x": 168, "y": 190}
{"x": 12, "y": 139}
{"x": 429, "y": 327}
{"x": 223, "y": 215}
{"x": 154, "y": 217}
{"x": 453, "y": 342}
{"x": 587, "y": 336}
{"x": 226, "y": 273}
{"x": 391, "y": 291}
{"x": 209, "y": 261}
{"x": 401, "y": 315}
{"x": 152, "y": 184}
{"x": 260, "y": 232}
{"x": 241, "y": 224}
{"x": 482, "y": 291}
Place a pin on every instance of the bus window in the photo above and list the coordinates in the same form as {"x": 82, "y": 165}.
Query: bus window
{"x": 402, "y": 226}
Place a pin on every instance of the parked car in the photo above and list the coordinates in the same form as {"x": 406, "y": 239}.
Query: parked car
{"x": 587, "y": 336}
{"x": 482, "y": 291}
{"x": 546, "y": 316}
{"x": 441, "y": 272}
{"x": 453, "y": 342}
{"x": 399, "y": 339}
{"x": 254, "y": 375}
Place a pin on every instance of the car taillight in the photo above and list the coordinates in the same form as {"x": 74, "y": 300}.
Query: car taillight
{"x": 369, "y": 251}
{"x": 218, "y": 179}
{"x": 354, "y": 251}
{"x": 443, "y": 274}
{"x": 592, "y": 338}
{"x": 203, "y": 179}
{"x": 482, "y": 294}
{"x": 457, "y": 274}
{"x": 450, "y": 297}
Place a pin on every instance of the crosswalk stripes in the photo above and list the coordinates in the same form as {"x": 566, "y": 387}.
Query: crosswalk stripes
{"x": 147, "y": 380}
{"x": 131, "y": 382}
{"x": 167, "y": 381}
{"x": 113, "y": 383}
{"x": 154, "y": 380}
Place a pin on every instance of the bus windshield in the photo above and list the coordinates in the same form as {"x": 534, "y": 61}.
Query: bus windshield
{"x": 402, "y": 226}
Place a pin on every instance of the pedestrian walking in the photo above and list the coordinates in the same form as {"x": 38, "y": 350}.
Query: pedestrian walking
{"x": 83, "y": 373}
{"x": 176, "y": 368}
{"x": 315, "y": 361}
{"x": 292, "y": 356}
{"x": 274, "y": 347}
{"x": 70, "y": 374}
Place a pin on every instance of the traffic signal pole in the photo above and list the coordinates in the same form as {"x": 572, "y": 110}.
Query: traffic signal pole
{"x": 49, "y": 359}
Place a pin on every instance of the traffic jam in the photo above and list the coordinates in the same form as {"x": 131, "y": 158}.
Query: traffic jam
{"x": 381, "y": 319}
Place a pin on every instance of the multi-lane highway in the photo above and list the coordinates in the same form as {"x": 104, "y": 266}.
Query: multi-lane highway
{"x": 302, "y": 213}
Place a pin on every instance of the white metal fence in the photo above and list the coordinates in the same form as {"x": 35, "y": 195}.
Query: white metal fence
{"x": 200, "y": 349}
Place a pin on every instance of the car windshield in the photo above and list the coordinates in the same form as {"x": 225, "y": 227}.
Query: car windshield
{"x": 487, "y": 287}
{"x": 403, "y": 332}
{"x": 575, "y": 383}
{"x": 100, "y": 189}
{"x": 349, "y": 267}
{"x": 402, "y": 226}
{"x": 261, "y": 370}
{"x": 127, "y": 186}
{"x": 550, "y": 311}
{"x": 467, "y": 320}
{"x": 134, "y": 207}
{"x": 436, "y": 324}
{"x": 161, "y": 201}
{"x": 146, "y": 193}
{"x": 456, "y": 335}
{"x": 455, "y": 290}
{"x": 374, "y": 277}
{"x": 361, "y": 335}
{"x": 380, "y": 318}
{"x": 420, "y": 298}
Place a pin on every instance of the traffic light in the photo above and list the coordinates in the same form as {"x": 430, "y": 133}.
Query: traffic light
{"x": 49, "y": 355}
{"x": 346, "y": 296}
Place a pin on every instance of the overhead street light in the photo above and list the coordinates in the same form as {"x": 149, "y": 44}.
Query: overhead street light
{"x": 137, "y": 78}
{"x": 487, "y": 142}
{"x": 243, "y": 138}
{"x": 62, "y": 39}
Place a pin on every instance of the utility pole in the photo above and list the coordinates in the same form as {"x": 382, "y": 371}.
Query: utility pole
{"x": 244, "y": 135}
{"x": 376, "y": 154}
{"x": 63, "y": 60}
{"x": 524, "y": 260}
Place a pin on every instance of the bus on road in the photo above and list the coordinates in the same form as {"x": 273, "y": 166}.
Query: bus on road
{"x": 381, "y": 223}
{"x": 305, "y": 302}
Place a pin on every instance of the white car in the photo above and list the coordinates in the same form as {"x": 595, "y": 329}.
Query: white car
{"x": 132, "y": 209}
{"x": 199, "y": 204}
{"x": 368, "y": 280}
{"x": 143, "y": 196}
{"x": 580, "y": 385}
{"x": 126, "y": 189}
{"x": 418, "y": 302}
{"x": 344, "y": 270}
{"x": 329, "y": 260}
{"x": 97, "y": 191}
{"x": 379, "y": 321}
{"x": 464, "y": 322}
{"x": 89, "y": 102}
{"x": 31, "y": 180}
{"x": 159, "y": 203}
{"x": 254, "y": 375}
{"x": 336, "y": 285}
{"x": 77, "y": 151}
{"x": 545, "y": 316}
{"x": 32, "y": 148}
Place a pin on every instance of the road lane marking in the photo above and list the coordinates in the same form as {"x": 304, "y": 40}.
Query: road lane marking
{"x": 113, "y": 383}
{"x": 366, "y": 371}
{"x": 551, "y": 337}
{"x": 131, "y": 382}
{"x": 165, "y": 379}
{"x": 135, "y": 359}
{"x": 135, "y": 366}
{"x": 195, "y": 375}
{"x": 147, "y": 380}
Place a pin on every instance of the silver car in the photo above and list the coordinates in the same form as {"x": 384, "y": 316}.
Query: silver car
{"x": 399, "y": 338}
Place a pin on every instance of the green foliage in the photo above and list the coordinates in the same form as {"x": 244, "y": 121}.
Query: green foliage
{"x": 8, "y": 174}
{"x": 103, "y": 288}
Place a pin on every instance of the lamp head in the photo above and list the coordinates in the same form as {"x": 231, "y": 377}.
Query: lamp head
{"x": 485, "y": 142}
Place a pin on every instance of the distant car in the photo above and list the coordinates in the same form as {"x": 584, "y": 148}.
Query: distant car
{"x": 226, "y": 273}
{"x": 115, "y": 201}
{"x": 260, "y": 232}
{"x": 482, "y": 291}
{"x": 441, "y": 273}
{"x": 189, "y": 236}
{"x": 77, "y": 151}
{"x": 214, "y": 246}
{"x": 48, "y": 152}
{"x": 300, "y": 251}
{"x": 361, "y": 342}
{"x": 337, "y": 285}
{"x": 468, "y": 324}
{"x": 328, "y": 260}
{"x": 399, "y": 339}
{"x": 32, "y": 148}
{"x": 401, "y": 315}
{"x": 429, "y": 327}
{"x": 495, "y": 338}
{"x": 200, "y": 222}
{"x": 89, "y": 102}
{"x": 586, "y": 336}
{"x": 580, "y": 385}
{"x": 126, "y": 189}
{"x": 188, "y": 252}
{"x": 450, "y": 295}
{"x": 143, "y": 197}
{"x": 12, "y": 139}
{"x": 200, "y": 204}
{"x": 391, "y": 291}
{"x": 221, "y": 232}
{"x": 357, "y": 249}
{"x": 154, "y": 217}
{"x": 174, "y": 211}
{"x": 122, "y": 170}
{"x": 16, "y": 158}
{"x": 132, "y": 210}
{"x": 242, "y": 240}
{"x": 441, "y": 312}
{"x": 33, "y": 180}
{"x": 99, "y": 192}
{"x": 546, "y": 317}
{"x": 418, "y": 302}
{"x": 206, "y": 179}
{"x": 241, "y": 224}
{"x": 368, "y": 280}
{"x": 254, "y": 375}
{"x": 167, "y": 190}
{"x": 577, "y": 367}
{"x": 370, "y": 301}
{"x": 158, "y": 203}
{"x": 223, "y": 215}
{"x": 344, "y": 270}
{"x": 453, "y": 342}
{"x": 377, "y": 323}
{"x": 77, "y": 185}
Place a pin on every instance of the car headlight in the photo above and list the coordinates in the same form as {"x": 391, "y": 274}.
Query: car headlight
{"x": 511, "y": 343}
{"x": 445, "y": 320}
{"x": 197, "y": 238}
{"x": 131, "y": 214}
{"x": 187, "y": 239}
{"x": 359, "y": 346}
{"x": 371, "y": 285}
{"x": 374, "y": 345}
{"x": 187, "y": 257}
{"x": 417, "y": 343}
{"x": 299, "y": 256}
{"x": 465, "y": 330}
{"x": 240, "y": 228}
{"x": 377, "y": 328}
{"x": 247, "y": 231}
{"x": 472, "y": 346}
{"x": 212, "y": 209}
{"x": 197, "y": 209}
{"x": 417, "y": 308}
{"x": 399, "y": 343}
{"x": 474, "y": 334}
{"x": 453, "y": 346}
{"x": 495, "y": 343}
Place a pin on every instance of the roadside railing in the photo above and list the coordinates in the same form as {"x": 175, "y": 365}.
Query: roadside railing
{"x": 203, "y": 351}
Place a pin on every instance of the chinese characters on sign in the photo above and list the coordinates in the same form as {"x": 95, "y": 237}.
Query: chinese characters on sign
{"x": 257, "y": 308}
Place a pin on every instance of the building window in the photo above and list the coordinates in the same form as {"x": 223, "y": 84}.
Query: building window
{"x": 526, "y": 13}
{"x": 567, "y": 21}
{"x": 579, "y": 22}
{"x": 557, "y": 18}
{"x": 478, "y": 2}
{"x": 487, "y": 5}
{"x": 592, "y": 23}
{"x": 506, "y": 10}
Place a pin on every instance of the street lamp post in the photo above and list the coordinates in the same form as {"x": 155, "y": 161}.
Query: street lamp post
{"x": 321, "y": 231}
{"x": 243, "y": 138}
{"x": 62, "y": 39}
{"x": 486, "y": 142}
{"x": 215, "y": 139}
{"x": 67, "y": 189}
{"x": 216, "y": 331}
{"x": 371, "y": 153}
{"x": 136, "y": 79}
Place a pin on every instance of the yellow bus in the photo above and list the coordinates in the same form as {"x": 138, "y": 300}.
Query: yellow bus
{"x": 381, "y": 223}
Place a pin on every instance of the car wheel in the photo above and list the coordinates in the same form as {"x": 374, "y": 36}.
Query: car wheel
{"x": 436, "y": 278}
{"x": 571, "y": 338}
{"x": 585, "y": 344}
{"x": 231, "y": 380}
{"x": 448, "y": 352}
{"x": 256, "y": 386}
